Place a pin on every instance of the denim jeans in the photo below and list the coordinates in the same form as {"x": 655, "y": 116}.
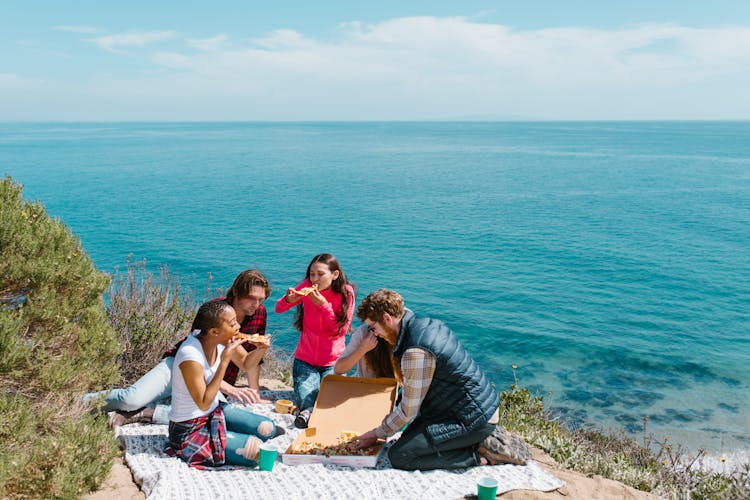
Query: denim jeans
{"x": 242, "y": 424}
{"x": 414, "y": 450}
{"x": 155, "y": 385}
{"x": 307, "y": 382}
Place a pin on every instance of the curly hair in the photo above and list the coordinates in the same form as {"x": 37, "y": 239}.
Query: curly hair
{"x": 209, "y": 316}
{"x": 379, "y": 302}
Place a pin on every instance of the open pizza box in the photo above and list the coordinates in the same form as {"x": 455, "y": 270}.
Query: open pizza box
{"x": 351, "y": 404}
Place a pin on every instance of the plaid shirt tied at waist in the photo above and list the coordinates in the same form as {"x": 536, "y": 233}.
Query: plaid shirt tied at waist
{"x": 199, "y": 441}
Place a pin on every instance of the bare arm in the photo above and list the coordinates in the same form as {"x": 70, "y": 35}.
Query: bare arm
{"x": 204, "y": 394}
{"x": 347, "y": 361}
{"x": 250, "y": 363}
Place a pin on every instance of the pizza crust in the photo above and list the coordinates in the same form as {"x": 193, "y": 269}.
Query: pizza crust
{"x": 255, "y": 337}
{"x": 307, "y": 290}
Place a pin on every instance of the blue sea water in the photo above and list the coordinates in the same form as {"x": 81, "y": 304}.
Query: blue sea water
{"x": 608, "y": 261}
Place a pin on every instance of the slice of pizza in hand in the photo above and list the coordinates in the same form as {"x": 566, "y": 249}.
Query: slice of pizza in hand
{"x": 307, "y": 290}
{"x": 255, "y": 338}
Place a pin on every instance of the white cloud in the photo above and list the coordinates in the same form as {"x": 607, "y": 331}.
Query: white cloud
{"x": 173, "y": 60}
{"x": 13, "y": 82}
{"x": 207, "y": 44}
{"x": 286, "y": 40}
{"x": 83, "y": 30}
{"x": 426, "y": 67}
{"x": 115, "y": 42}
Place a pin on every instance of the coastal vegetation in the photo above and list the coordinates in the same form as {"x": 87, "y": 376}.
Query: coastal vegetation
{"x": 55, "y": 344}
{"x": 655, "y": 466}
{"x": 67, "y": 328}
{"x": 151, "y": 312}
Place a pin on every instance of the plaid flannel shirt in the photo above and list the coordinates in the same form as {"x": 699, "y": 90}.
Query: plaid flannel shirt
{"x": 418, "y": 368}
{"x": 201, "y": 442}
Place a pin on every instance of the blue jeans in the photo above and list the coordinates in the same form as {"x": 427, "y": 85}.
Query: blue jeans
{"x": 415, "y": 450}
{"x": 155, "y": 385}
{"x": 241, "y": 425}
{"x": 307, "y": 382}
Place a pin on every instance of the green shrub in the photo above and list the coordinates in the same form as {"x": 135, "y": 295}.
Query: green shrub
{"x": 277, "y": 364}
{"x": 55, "y": 343}
{"x": 150, "y": 314}
{"x": 656, "y": 466}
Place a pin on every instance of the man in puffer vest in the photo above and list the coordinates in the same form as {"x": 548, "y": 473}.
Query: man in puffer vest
{"x": 450, "y": 406}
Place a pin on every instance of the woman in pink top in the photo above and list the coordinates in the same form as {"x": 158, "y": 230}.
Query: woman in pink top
{"x": 325, "y": 306}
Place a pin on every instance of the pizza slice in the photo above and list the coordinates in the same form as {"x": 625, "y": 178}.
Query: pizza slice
{"x": 307, "y": 290}
{"x": 255, "y": 337}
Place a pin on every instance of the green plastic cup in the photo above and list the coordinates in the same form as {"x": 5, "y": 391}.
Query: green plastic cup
{"x": 268, "y": 453}
{"x": 486, "y": 488}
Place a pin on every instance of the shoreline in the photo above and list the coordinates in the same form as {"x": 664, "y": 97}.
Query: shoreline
{"x": 723, "y": 463}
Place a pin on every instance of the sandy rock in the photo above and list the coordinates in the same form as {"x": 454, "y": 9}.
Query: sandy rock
{"x": 119, "y": 484}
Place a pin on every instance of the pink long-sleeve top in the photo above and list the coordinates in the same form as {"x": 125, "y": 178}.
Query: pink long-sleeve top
{"x": 321, "y": 341}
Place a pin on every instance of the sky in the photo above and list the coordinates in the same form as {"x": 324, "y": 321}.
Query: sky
{"x": 386, "y": 60}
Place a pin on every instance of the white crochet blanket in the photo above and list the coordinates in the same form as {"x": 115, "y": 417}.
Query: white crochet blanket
{"x": 161, "y": 476}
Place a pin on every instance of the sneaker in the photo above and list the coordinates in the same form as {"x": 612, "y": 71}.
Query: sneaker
{"x": 117, "y": 419}
{"x": 114, "y": 419}
{"x": 502, "y": 447}
{"x": 302, "y": 418}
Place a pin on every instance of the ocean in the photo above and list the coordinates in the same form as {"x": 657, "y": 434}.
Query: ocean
{"x": 608, "y": 261}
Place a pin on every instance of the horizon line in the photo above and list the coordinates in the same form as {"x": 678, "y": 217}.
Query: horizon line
{"x": 456, "y": 120}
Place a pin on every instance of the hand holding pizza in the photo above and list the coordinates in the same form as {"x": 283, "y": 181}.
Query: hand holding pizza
{"x": 294, "y": 295}
{"x": 258, "y": 340}
{"x": 317, "y": 297}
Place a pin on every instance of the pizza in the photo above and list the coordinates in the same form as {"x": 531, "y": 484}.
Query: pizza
{"x": 307, "y": 290}
{"x": 255, "y": 337}
{"x": 343, "y": 446}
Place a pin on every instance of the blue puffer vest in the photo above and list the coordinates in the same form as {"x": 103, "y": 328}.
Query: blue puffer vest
{"x": 460, "y": 398}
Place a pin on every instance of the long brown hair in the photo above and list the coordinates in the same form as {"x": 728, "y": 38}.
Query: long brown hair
{"x": 244, "y": 283}
{"x": 378, "y": 360}
{"x": 338, "y": 285}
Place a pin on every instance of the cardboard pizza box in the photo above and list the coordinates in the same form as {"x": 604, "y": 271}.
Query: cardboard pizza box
{"x": 353, "y": 404}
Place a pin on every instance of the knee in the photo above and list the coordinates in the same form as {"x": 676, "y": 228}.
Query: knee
{"x": 133, "y": 400}
{"x": 125, "y": 399}
{"x": 266, "y": 429}
{"x": 251, "y": 450}
{"x": 399, "y": 459}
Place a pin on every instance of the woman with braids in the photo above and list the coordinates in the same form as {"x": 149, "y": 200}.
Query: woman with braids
{"x": 201, "y": 432}
{"x": 325, "y": 306}
{"x": 126, "y": 405}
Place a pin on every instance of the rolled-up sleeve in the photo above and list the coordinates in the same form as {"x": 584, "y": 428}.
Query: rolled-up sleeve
{"x": 418, "y": 368}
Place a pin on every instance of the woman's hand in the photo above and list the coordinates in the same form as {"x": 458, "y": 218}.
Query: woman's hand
{"x": 317, "y": 298}
{"x": 292, "y": 296}
{"x": 229, "y": 350}
{"x": 369, "y": 342}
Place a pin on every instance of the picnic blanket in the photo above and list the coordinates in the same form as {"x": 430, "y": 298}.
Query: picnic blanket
{"x": 162, "y": 476}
